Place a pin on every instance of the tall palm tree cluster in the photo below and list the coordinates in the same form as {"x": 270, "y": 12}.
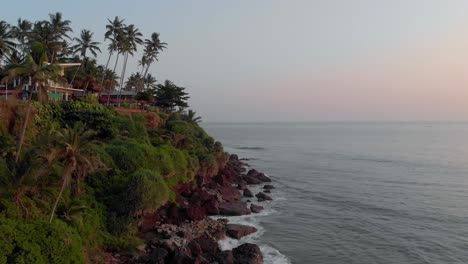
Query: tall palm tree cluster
{"x": 30, "y": 53}
{"x": 17, "y": 41}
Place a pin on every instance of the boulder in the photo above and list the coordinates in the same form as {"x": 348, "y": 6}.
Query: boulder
{"x": 181, "y": 256}
{"x": 252, "y": 173}
{"x": 229, "y": 193}
{"x": 252, "y": 180}
{"x": 263, "y": 177}
{"x": 158, "y": 255}
{"x": 212, "y": 207}
{"x": 196, "y": 212}
{"x": 208, "y": 245}
{"x": 247, "y": 254}
{"x": 242, "y": 185}
{"x": 268, "y": 187}
{"x": 248, "y": 193}
{"x": 225, "y": 257}
{"x": 267, "y": 191}
{"x": 239, "y": 231}
{"x": 195, "y": 248}
{"x": 263, "y": 197}
{"x": 233, "y": 208}
{"x": 256, "y": 208}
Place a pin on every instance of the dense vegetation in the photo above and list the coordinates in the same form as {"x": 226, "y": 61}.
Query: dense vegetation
{"x": 112, "y": 169}
{"x": 76, "y": 177}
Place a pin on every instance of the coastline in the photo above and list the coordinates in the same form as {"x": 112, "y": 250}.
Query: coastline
{"x": 197, "y": 229}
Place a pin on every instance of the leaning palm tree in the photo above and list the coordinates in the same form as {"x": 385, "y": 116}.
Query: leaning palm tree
{"x": 6, "y": 39}
{"x": 36, "y": 67}
{"x": 132, "y": 38}
{"x": 152, "y": 48}
{"x": 77, "y": 157}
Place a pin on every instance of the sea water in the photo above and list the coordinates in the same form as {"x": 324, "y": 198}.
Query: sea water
{"x": 356, "y": 192}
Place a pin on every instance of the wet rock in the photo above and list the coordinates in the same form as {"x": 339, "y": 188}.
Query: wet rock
{"x": 251, "y": 180}
{"x": 225, "y": 257}
{"x": 267, "y": 191}
{"x": 256, "y": 208}
{"x": 252, "y": 173}
{"x": 263, "y": 177}
{"x": 248, "y": 193}
{"x": 262, "y": 197}
{"x": 212, "y": 207}
{"x": 239, "y": 231}
{"x": 233, "y": 208}
{"x": 242, "y": 185}
{"x": 247, "y": 254}
{"x": 268, "y": 187}
{"x": 229, "y": 193}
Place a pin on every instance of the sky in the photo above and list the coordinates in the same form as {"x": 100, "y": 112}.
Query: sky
{"x": 288, "y": 60}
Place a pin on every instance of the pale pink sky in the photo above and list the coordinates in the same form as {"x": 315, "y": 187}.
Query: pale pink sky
{"x": 297, "y": 60}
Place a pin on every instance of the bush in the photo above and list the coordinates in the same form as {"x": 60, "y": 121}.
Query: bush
{"x": 38, "y": 242}
{"x": 147, "y": 191}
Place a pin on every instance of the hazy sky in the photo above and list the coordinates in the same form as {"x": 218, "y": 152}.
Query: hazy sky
{"x": 310, "y": 60}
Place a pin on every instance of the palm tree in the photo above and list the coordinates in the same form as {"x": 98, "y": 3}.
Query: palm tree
{"x": 152, "y": 48}
{"x": 150, "y": 81}
{"x": 134, "y": 82}
{"x": 6, "y": 39}
{"x": 76, "y": 154}
{"x": 22, "y": 31}
{"x": 85, "y": 44}
{"x": 129, "y": 46}
{"x": 191, "y": 116}
{"x": 40, "y": 71}
{"x": 114, "y": 33}
{"x": 60, "y": 29}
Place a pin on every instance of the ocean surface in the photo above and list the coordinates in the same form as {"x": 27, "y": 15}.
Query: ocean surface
{"x": 357, "y": 192}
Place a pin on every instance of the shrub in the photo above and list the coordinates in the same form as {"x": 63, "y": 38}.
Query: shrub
{"x": 38, "y": 242}
{"x": 147, "y": 191}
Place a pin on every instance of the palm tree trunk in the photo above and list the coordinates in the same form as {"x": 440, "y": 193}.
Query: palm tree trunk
{"x": 65, "y": 177}
{"x": 25, "y": 124}
{"x": 107, "y": 66}
{"x": 122, "y": 77}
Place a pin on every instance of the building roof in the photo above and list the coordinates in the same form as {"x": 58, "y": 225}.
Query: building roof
{"x": 124, "y": 93}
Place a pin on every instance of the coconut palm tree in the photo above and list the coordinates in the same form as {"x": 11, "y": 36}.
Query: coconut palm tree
{"x": 153, "y": 46}
{"x": 114, "y": 33}
{"x": 60, "y": 29}
{"x": 22, "y": 31}
{"x": 191, "y": 116}
{"x": 130, "y": 42}
{"x": 76, "y": 154}
{"x": 85, "y": 43}
{"x": 36, "y": 67}
{"x": 6, "y": 39}
{"x": 150, "y": 81}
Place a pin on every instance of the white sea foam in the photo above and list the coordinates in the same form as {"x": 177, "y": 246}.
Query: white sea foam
{"x": 270, "y": 254}
{"x": 273, "y": 256}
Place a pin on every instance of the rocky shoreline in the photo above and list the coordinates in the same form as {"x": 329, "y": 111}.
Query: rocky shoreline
{"x": 182, "y": 232}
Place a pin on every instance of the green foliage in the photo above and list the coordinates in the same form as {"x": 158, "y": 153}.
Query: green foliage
{"x": 147, "y": 191}
{"x": 95, "y": 116}
{"x": 169, "y": 96}
{"x": 23, "y": 241}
